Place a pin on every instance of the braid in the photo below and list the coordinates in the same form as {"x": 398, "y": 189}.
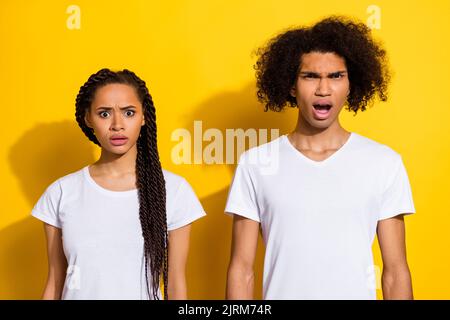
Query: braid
{"x": 151, "y": 187}
{"x": 149, "y": 176}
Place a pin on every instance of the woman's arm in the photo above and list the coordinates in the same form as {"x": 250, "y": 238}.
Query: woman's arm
{"x": 396, "y": 278}
{"x": 178, "y": 252}
{"x": 57, "y": 263}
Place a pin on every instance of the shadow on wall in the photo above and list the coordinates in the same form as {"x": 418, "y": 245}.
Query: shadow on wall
{"x": 211, "y": 236}
{"x": 42, "y": 155}
{"x": 50, "y": 151}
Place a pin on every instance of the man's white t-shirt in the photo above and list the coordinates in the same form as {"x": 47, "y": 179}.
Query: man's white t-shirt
{"x": 318, "y": 218}
{"x": 102, "y": 235}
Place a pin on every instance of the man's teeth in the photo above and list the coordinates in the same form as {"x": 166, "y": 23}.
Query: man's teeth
{"x": 322, "y": 106}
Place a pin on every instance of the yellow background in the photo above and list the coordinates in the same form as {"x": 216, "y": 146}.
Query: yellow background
{"x": 196, "y": 57}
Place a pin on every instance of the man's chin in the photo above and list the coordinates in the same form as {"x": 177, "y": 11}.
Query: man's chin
{"x": 321, "y": 124}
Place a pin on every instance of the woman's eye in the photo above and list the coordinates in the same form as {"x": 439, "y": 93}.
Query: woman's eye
{"x": 129, "y": 113}
{"x": 104, "y": 114}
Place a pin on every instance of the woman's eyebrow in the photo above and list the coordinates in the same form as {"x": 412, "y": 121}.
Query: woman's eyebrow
{"x": 110, "y": 108}
{"x": 128, "y": 107}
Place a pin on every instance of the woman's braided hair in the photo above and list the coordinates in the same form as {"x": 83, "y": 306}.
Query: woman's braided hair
{"x": 149, "y": 176}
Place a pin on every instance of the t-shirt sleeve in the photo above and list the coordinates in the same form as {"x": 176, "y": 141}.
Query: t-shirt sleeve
{"x": 242, "y": 198}
{"x": 47, "y": 207}
{"x": 397, "y": 197}
{"x": 186, "y": 207}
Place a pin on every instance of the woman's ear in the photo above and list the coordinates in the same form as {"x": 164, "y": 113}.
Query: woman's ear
{"x": 86, "y": 120}
{"x": 143, "y": 121}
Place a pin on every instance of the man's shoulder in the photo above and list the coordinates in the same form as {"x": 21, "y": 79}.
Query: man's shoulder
{"x": 262, "y": 153}
{"x": 374, "y": 149}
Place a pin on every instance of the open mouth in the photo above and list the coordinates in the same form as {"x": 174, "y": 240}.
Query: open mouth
{"x": 322, "y": 110}
{"x": 322, "y": 107}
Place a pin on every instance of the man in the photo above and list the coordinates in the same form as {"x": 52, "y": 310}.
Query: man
{"x": 331, "y": 189}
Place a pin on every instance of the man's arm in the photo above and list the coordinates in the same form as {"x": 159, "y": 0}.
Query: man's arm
{"x": 396, "y": 278}
{"x": 240, "y": 280}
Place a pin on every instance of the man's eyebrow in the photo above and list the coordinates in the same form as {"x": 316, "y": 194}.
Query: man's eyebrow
{"x": 309, "y": 73}
{"x": 338, "y": 72}
{"x": 318, "y": 74}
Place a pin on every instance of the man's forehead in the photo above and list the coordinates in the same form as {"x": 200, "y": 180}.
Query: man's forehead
{"x": 322, "y": 62}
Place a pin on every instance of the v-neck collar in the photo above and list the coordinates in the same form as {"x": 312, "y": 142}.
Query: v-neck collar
{"x": 321, "y": 162}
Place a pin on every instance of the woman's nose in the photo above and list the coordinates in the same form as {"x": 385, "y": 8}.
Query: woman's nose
{"x": 117, "y": 123}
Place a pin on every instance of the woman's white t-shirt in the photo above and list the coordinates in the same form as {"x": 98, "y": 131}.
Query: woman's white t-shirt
{"x": 102, "y": 235}
{"x": 319, "y": 218}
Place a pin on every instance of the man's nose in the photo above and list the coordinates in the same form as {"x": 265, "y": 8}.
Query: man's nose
{"x": 323, "y": 87}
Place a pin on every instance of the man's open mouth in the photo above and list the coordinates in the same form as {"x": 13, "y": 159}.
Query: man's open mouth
{"x": 322, "y": 107}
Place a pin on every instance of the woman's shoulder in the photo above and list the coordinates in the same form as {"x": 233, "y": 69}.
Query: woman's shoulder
{"x": 172, "y": 179}
{"x": 183, "y": 205}
{"x": 175, "y": 183}
{"x": 68, "y": 180}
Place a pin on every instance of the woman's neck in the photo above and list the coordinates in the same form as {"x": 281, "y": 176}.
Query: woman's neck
{"x": 117, "y": 164}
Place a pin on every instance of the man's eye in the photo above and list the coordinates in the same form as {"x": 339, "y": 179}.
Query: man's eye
{"x": 104, "y": 114}
{"x": 129, "y": 113}
{"x": 337, "y": 75}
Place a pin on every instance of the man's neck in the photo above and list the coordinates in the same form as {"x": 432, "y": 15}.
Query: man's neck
{"x": 305, "y": 137}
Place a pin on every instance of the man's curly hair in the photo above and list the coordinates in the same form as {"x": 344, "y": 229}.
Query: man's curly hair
{"x": 278, "y": 62}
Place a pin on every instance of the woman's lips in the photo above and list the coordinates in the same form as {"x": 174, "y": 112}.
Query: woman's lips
{"x": 119, "y": 141}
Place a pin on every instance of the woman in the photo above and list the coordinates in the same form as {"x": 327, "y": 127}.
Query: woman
{"x": 118, "y": 227}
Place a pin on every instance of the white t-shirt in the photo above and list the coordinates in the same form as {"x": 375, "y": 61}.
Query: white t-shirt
{"x": 319, "y": 218}
{"x": 102, "y": 235}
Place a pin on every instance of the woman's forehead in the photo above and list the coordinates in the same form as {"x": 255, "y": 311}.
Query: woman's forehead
{"x": 116, "y": 94}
